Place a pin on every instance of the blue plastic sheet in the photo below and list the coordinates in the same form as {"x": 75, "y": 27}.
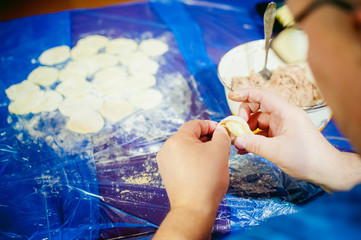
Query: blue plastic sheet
{"x": 107, "y": 185}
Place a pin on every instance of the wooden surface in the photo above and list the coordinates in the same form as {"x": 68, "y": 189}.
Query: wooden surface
{"x": 11, "y": 9}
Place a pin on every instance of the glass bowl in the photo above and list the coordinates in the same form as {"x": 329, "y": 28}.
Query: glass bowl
{"x": 240, "y": 60}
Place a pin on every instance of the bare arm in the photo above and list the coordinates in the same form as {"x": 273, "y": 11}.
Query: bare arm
{"x": 196, "y": 177}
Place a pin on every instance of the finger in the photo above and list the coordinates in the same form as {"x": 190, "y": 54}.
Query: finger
{"x": 245, "y": 110}
{"x": 253, "y": 122}
{"x": 221, "y": 138}
{"x": 269, "y": 102}
{"x": 197, "y": 128}
{"x": 259, "y": 120}
{"x": 263, "y": 133}
{"x": 257, "y": 144}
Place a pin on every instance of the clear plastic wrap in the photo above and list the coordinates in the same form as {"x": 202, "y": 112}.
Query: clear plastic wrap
{"x": 60, "y": 185}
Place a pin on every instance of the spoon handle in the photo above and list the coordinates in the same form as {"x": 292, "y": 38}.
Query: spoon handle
{"x": 268, "y": 21}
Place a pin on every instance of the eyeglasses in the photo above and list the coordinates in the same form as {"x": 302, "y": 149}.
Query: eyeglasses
{"x": 291, "y": 44}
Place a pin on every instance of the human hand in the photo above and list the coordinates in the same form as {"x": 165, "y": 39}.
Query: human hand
{"x": 194, "y": 170}
{"x": 288, "y": 138}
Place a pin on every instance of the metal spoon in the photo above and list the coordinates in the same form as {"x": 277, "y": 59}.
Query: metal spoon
{"x": 268, "y": 21}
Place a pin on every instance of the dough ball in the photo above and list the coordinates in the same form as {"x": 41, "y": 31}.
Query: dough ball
{"x": 48, "y": 101}
{"x": 71, "y": 106}
{"x": 143, "y": 65}
{"x": 146, "y": 98}
{"x": 44, "y": 76}
{"x": 21, "y": 90}
{"x": 55, "y": 55}
{"x": 121, "y": 45}
{"x": 96, "y": 41}
{"x": 74, "y": 89}
{"x": 116, "y": 109}
{"x": 153, "y": 47}
{"x": 85, "y": 121}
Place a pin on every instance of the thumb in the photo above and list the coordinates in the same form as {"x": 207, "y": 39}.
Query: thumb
{"x": 256, "y": 144}
{"x": 221, "y": 138}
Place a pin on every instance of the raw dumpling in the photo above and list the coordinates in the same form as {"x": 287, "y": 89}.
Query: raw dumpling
{"x": 235, "y": 126}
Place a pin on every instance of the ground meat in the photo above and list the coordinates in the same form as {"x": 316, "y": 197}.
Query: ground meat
{"x": 290, "y": 82}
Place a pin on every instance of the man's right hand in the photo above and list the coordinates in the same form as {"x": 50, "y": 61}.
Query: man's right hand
{"x": 288, "y": 138}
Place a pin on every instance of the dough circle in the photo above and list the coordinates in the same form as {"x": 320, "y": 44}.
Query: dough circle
{"x": 21, "y": 90}
{"x": 55, "y": 55}
{"x": 85, "y": 121}
{"x": 153, "y": 47}
{"x": 74, "y": 89}
{"x": 44, "y": 76}
{"x": 96, "y": 41}
{"x": 116, "y": 109}
{"x": 70, "y": 106}
{"x": 146, "y": 98}
{"x": 143, "y": 65}
{"x": 121, "y": 46}
{"x": 38, "y": 101}
{"x": 49, "y": 101}
{"x": 83, "y": 51}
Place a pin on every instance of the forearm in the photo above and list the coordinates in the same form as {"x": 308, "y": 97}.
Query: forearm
{"x": 344, "y": 173}
{"x": 187, "y": 223}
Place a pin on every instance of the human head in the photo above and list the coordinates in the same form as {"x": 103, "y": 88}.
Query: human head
{"x": 334, "y": 55}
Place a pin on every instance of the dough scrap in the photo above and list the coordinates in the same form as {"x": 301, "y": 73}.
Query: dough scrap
{"x": 143, "y": 65}
{"x": 85, "y": 121}
{"x": 96, "y": 41}
{"x": 146, "y": 98}
{"x": 44, "y": 76}
{"x": 153, "y": 47}
{"x": 21, "y": 90}
{"x": 235, "y": 126}
{"x": 116, "y": 109}
{"x": 48, "y": 101}
{"x": 74, "y": 89}
{"x": 71, "y": 106}
{"x": 55, "y": 55}
{"x": 121, "y": 45}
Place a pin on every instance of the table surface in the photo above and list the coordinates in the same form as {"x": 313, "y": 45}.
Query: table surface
{"x": 52, "y": 186}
